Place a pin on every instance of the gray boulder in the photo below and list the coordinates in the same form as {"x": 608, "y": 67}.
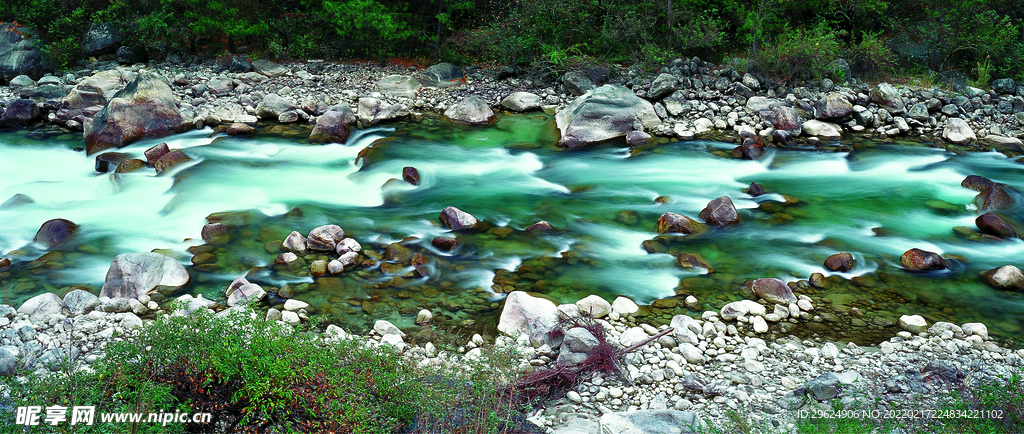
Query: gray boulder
{"x": 442, "y": 75}
{"x": 1007, "y": 277}
{"x": 325, "y": 238}
{"x": 371, "y": 111}
{"x": 652, "y": 422}
{"x": 918, "y": 112}
{"x": 398, "y": 86}
{"x": 835, "y": 105}
{"x": 521, "y": 101}
{"x": 332, "y": 127}
{"x": 268, "y": 68}
{"x": 886, "y": 96}
{"x": 20, "y": 113}
{"x": 662, "y": 86}
{"x": 773, "y": 290}
{"x": 273, "y": 105}
{"x": 534, "y": 316}
{"x": 134, "y": 274}
{"x": 823, "y": 130}
{"x": 605, "y": 113}
{"x": 81, "y": 302}
{"x": 21, "y": 81}
{"x": 784, "y": 118}
{"x": 128, "y": 56}
{"x": 457, "y": 219}
{"x": 20, "y": 52}
{"x": 102, "y": 38}
{"x": 247, "y": 293}
{"x": 576, "y": 345}
{"x": 47, "y": 92}
{"x": 91, "y": 95}
{"x": 239, "y": 65}
{"x": 41, "y": 306}
{"x": 471, "y": 110}
{"x": 576, "y": 83}
{"x": 145, "y": 108}
{"x": 1005, "y": 86}
{"x": 957, "y": 131}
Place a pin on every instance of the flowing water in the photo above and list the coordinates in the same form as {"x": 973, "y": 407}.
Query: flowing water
{"x": 875, "y": 202}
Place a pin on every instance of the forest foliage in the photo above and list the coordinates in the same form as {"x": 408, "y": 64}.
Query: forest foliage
{"x": 877, "y": 37}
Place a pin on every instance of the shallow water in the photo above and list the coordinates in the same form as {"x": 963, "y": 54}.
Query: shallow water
{"x": 875, "y": 202}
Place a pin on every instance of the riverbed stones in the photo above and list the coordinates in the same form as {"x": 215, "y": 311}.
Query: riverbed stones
{"x": 521, "y": 101}
{"x": 20, "y": 113}
{"x": 273, "y": 105}
{"x": 605, "y": 113}
{"x": 534, "y": 316}
{"x": 325, "y": 238}
{"x": 773, "y": 290}
{"x": 247, "y": 293}
{"x": 145, "y": 108}
{"x": 624, "y": 306}
{"x": 471, "y": 110}
{"x": 720, "y": 212}
{"x": 671, "y": 222}
{"x": 958, "y": 131}
{"x": 41, "y": 306}
{"x": 885, "y": 95}
{"x": 55, "y": 232}
{"x": 372, "y": 111}
{"x": 784, "y": 119}
{"x": 457, "y": 219}
{"x": 841, "y": 262}
{"x": 295, "y": 242}
{"x": 594, "y": 306}
{"x": 822, "y": 130}
{"x": 835, "y": 105}
{"x": 444, "y": 244}
{"x": 922, "y": 260}
{"x": 268, "y": 68}
{"x": 1007, "y": 277}
{"x": 134, "y": 274}
{"x": 993, "y": 224}
{"x": 576, "y": 346}
{"x": 397, "y": 86}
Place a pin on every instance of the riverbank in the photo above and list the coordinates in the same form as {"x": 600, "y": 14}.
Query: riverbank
{"x": 706, "y": 375}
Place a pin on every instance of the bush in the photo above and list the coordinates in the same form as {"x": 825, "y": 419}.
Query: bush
{"x": 871, "y": 57}
{"x": 803, "y": 53}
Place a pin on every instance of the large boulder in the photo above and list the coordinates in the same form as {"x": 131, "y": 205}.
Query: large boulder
{"x": 886, "y": 96}
{"x": 457, "y": 219}
{"x": 997, "y": 197}
{"x": 823, "y": 130}
{"x": 91, "y": 95}
{"x": 841, "y": 262}
{"x": 20, "y": 52}
{"x": 273, "y": 105}
{"x": 976, "y": 183}
{"x": 325, "y": 238}
{"x": 678, "y": 223}
{"x": 41, "y": 306}
{"x": 471, "y": 110}
{"x": 398, "y": 86}
{"x": 784, "y": 118}
{"x": 146, "y": 108}
{"x": 48, "y": 92}
{"x": 835, "y": 105}
{"x": 922, "y": 260}
{"x": 720, "y": 212}
{"x": 102, "y": 38}
{"x": 993, "y": 224}
{"x": 134, "y": 274}
{"x": 268, "y": 68}
{"x": 239, "y": 65}
{"x": 605, "y": 113}
{"x": 662, "y": 86}
{"x": 372, "y": 111}
{"x": 20, "y": 113}
{"x": 576, "y": 83}
{"x": 332, "y": 127}
{"x": 957, "y": 131}
{"x": 442, "y": 75}
{"x": 55, "y": 232}
{"x": 521, "y": 101}
{"x": 774, "y": 290}
{"x": 536, "y": 317}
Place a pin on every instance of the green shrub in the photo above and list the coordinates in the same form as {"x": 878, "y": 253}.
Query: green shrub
{"x": 803, "y": 53}
{"x": 871, "y": 57}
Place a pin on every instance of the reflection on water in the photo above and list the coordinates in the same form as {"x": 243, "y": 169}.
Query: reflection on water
{"x": 875, "y": 203}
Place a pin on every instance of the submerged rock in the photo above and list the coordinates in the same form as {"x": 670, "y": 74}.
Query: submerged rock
{"x": 540, "y": 226}
{"x": 1007, "y": 277}
{"x": 55, "y": 232}
{"x": 773, "y": 290}
{"x": 671, "y": 222}
{"x": 922, "y": 260}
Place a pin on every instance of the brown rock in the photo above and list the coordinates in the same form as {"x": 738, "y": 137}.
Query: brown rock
{"x": 444, "y": 244}
{"x": 155, "y": 152}
{"x": 411, "y": 175}
{"x": 720, "y": 212}
{"x": 995, "y": 225}
{"x": 678, "y": 223}
{"x": 419, "y": 259}
{"x": 841, "y": 262}
{"x": 774, "y": 290}
{"x": 107, "y": 159}
{"x": 318, "y": 268}
{"x": 128, "y": 166}
{"x": 693, "y": 260}
{"x": 55, "y": 232}
{"x": 755, "y": 189}
{"x": 398, "y": 253}
{"x": 994, "y": 198}
{"x": 976, "y": 183}
{"x": 457, "y": 219}
{"x": 325, "y": 238}
{"x": 921, "y": 260}
{"x": 170, "y": 160}
{"x": 4, "y": 263}
{"x": 241, "y": 129}
{"x": 215, "y": 233}
{"x": 540, "y": 226}
{"x": 331, "y": 127}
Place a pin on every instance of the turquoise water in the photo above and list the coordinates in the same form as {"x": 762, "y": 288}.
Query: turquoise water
{"x": 875, "y": 202}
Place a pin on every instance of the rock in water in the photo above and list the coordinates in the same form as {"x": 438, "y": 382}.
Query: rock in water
{"x": 671, "y": 222}
{"x": 922, "y": 260}
{"x": 755, "y": 189}
{"x": 1005, "y": 277}
{"x": 720, "y": 212}
{"x": 330, "y": 128}
{"x": 472, "y": 110}
{"x": 774, "y": 290}
{"x": 976, "y": 183}
{"x": 134, "y": 274}
{"x": 605, "y": 113}
{"x": 993, "y": 224}
{"x": 542, "y": 225}
{"x": 444, "y": 244}
{"x": 170, "y": 160}
{"x": 143, "y": 109}
{"x": 325, "y": 238}
{"x": 841, "y": 262}
{"x": 411, "y": 175}
{"x": 457, "y": 219}
{"x": 55, "y": 232}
